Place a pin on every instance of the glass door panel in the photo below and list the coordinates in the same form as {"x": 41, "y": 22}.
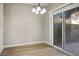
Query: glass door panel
{"x": 57, "y": 22}
{"x": 71, "y": 19}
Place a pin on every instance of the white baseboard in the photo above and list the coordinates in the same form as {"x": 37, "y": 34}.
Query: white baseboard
{"x": 24, "y": 44}
{"x": 47, "y": 43}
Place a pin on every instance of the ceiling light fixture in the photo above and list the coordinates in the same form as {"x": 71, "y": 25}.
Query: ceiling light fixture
{"x": 39, "y": 9}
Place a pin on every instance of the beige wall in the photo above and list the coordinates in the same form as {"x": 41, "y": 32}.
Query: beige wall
{"x": 21, "y": 26}
{"x": 47, "y": 23}
{"x": 46, "y": 27}
{"x": 1, "y": 27}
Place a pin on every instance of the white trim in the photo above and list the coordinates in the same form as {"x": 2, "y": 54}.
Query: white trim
{"x": 6, "y": 46}
{"x": 50, "y": 29}
{"x": 59, "y": 7}
{"x": 47, "y": 43}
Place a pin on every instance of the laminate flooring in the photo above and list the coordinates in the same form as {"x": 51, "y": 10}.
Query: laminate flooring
{"x": 41, "y": 49}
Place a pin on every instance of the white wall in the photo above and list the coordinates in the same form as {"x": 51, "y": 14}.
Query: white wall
{"x": 1, "y": 27}
{"x": 21, "y": 25}
{"x": 48, "y": 34}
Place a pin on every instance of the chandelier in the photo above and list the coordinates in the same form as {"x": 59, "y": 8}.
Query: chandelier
{"x": 38, "y": 9}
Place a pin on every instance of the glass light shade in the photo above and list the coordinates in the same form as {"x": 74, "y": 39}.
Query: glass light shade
{"x": 39, "y": 8}
{"x": 44, "y": 10}
{"x": 33, "y": 10}
{"x": 36, "y": 12}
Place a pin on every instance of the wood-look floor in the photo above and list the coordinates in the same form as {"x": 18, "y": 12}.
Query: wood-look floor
{"x": 32, "y": 50}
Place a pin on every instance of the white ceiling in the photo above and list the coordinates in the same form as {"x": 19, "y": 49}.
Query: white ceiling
{"x": 42, "y": 4}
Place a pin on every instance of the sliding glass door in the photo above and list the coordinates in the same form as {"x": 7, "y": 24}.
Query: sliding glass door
{"x": 66, "y": 29}
{"x": 57, "y": 22}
